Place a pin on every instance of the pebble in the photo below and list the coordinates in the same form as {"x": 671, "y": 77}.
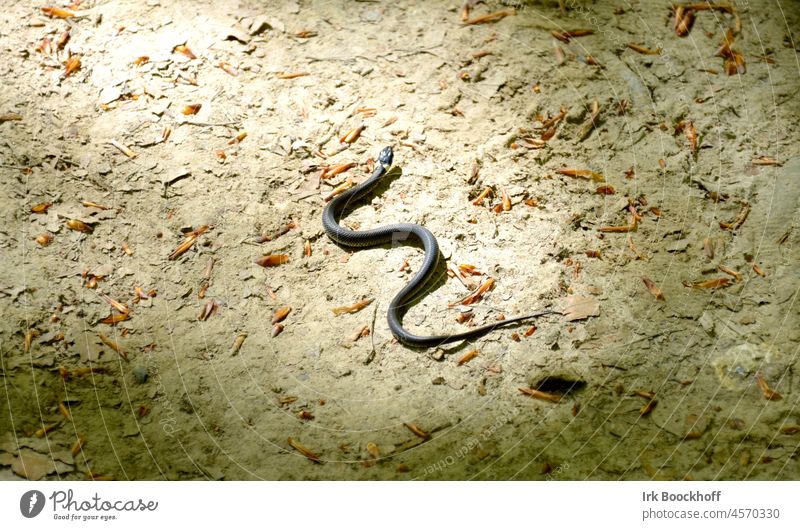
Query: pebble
{"x": 140, "y": 374}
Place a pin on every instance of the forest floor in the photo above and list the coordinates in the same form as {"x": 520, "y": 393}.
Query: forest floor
{"x": 141, "y": 149}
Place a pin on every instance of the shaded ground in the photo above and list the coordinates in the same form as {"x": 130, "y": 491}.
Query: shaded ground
{"x": 208, "y": 410}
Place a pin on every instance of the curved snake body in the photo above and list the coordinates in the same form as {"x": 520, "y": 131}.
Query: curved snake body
{"x": 394, "y": 233}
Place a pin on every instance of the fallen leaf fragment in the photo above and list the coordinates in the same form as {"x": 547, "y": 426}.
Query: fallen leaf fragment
{"x": 280, "y": 314}
{"x": 72, "y": 65}
{"x": 566, "y": 36}
{"x": 79, "y": 226}
{"x": 303, "y": 450}
{"x": 57, "y": 12}
{"x": 653, "y": 288}
{"x": 766, "y": 391}
{"x": 291, "y": 75}
{"x": 189, "y": 110}
{"x": 708, "y": 284}
{"x": 272, "y": 260}
{"x": 354, "y": 308}
{"x": 490, "y": 17}
{"x": 643, "y": 50}
{"x": 116, "y": 319}
{"x": 467, "y": 357}
{"x": 184, "y": 50}
{"x": 42, "y": 207}
{"x": 417, "y": 431}
{"x": 538, "y": 394}
{"x": 477, "y": 294}
{"x": 113, "y": 345}
{"x": 582, "y": 173}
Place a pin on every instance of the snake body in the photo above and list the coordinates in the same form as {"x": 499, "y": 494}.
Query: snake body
{"x": 397, "y": 233}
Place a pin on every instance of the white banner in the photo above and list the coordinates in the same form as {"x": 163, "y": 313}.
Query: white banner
{"x": 406, "y": 505}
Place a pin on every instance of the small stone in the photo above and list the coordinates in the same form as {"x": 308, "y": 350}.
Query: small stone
{"x": 140, "y": 374}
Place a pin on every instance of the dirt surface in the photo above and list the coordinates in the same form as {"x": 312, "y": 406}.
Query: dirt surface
{"x": 698, "y": 382}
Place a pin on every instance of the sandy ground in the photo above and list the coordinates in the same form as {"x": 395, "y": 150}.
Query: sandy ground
{"x": 701, "y": 384}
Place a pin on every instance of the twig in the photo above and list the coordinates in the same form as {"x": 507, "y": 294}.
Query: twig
{"x": 205, "y": 124}
{"x": 371, "y": 356}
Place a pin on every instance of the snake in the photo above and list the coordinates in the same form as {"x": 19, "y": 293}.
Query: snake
{"x": 395, "y": 233}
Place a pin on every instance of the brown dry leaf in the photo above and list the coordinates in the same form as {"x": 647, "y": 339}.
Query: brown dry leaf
{"x": 358, "y": 306}
{"x": 708, "y": 284}
{"x": 10, "y": 116}
{"x": 280, "y": 314}
{"x": 57, "y": 12}
{"x": 72, "y": 65}
{"x": 488, "y": 18}
{"x": 229, "y": 68}
{"x": 467, "y": 357}
{"x": 538, "y": 394}
{"x": 566, "y": 36}
{"x": 189, "y": 110}
{"x": 115, "y": 319}
{"x": 113, "y": 345}
{"x": 79, "y": 226}
{"x": 184, "y": 50}
{"x": 413, "y": 427}
{"x": 653, "y": 288}
{"x": 42, "y": 207}
{"x": 291, "y": 75}
{"x": 643, "y": 50}
{"x": 581, "y": 307}
{"x": 582, "y": 173}
{"x": 766, "y": 391}
{"x": 303, "y": 450}
{"x": 477, "y": 294}
{"x": 272, "y": 260}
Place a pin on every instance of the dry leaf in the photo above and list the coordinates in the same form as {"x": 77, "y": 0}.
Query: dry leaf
{"x": 272, "y": 260}
{"x": 358, "y": 306}
{"x": 653, "y": 288}
{"x": 72, "y": 65}
{"x": 582, "y": 173}
{"x": 57, "y": 12}
{"x": 188, "y": 110}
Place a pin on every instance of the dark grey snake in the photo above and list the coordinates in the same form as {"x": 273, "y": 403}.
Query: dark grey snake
{"x": 392, "y": 233}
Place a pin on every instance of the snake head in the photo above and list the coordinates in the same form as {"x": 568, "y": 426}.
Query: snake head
{"x": 385, "y": 158}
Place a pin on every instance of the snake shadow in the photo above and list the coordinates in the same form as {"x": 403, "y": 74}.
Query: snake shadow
{"x": 439, "y": 275}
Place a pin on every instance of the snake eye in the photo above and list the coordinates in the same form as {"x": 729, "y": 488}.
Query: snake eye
{"x": 385, "y": 158}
